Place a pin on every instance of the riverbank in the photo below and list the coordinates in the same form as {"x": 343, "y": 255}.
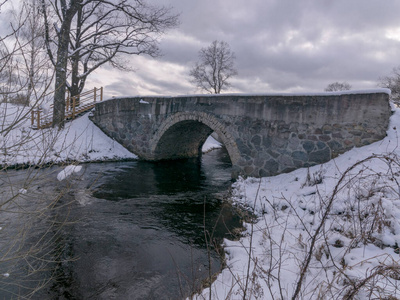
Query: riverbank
{"x": 79, "y": 141}
{"x": 328, "y": 232}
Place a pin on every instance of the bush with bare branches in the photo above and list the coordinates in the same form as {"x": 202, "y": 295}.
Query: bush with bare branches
{"x": 336, "y": 237}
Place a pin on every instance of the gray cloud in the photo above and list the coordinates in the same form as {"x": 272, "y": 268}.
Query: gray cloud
{"x": 280, "y": 45}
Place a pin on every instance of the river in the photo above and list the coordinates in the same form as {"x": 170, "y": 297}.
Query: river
{"x": 136, "y": 230}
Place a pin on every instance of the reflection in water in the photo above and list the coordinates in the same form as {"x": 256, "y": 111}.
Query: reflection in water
{"x": 30, "y": 220}
{"x": 140, "y": 232}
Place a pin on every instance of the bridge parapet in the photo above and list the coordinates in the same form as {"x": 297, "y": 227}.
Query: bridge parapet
{"x": 264, "y": 134}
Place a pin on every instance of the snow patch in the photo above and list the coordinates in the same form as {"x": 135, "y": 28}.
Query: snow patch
{"x": 348, "y": 92}
{"x": 23, "y": 191}
{"x": 210, "y": 144}
{"x": 69, "y": 170}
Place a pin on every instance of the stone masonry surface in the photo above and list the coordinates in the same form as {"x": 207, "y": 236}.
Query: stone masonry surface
{"x": 264, "y": 134}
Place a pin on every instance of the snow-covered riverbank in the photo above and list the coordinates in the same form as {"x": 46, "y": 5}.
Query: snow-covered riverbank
{"x": 79, "y": 141}
{"x": 330, "y": 232}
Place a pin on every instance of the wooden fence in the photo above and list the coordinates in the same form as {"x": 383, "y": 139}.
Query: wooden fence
{"x": 73, "y": 106}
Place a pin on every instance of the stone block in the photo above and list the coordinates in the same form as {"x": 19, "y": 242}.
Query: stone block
{"x": 312, "y": 138}
{"x": 337, "y": 135}
{"x": 293, "y": 144}
{"x": 320, "y": 156}
{"x": 324, "y": 138}
{"x": 271, "y": 166}
{"x": 249, "y": 169}
{"x": 256, "y": 140}
{"x": 321, "y": 145}
{"x": 308, "y": 146}
{"x": 335, "y": 146}
{"x": 318, "y": 131}
{"x": 300, "y": 156}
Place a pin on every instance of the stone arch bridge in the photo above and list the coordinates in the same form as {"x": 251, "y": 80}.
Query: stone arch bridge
{"x": 264, "y": 134}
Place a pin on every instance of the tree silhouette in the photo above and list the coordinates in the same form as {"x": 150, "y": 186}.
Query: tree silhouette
{"x": 214, "y": 68}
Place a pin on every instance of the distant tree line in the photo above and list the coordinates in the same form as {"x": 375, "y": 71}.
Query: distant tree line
{"x": 338, "y": 86}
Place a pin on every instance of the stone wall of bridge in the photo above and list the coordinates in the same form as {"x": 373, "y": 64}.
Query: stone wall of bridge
{"x": 264, "y": 134}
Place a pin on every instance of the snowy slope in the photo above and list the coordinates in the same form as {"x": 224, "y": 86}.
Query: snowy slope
{"x": 80, "y": 140}
{"x": 338, "y": 224}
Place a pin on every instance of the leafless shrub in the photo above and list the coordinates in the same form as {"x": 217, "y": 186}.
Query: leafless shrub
{"x": 314, "y": 179}
{"x": 336, "y": 246}
{"x": 33, "y": 210}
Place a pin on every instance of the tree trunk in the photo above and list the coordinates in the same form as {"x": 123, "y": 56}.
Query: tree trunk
{"x": 61, "y": 78}
{"x": 61, "y": 64}
{"x": 75, "y": 81}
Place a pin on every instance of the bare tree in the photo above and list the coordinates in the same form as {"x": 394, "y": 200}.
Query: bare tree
{"x": 214, "y": 68}
{"x": 8, "y": 79}
{"x": 10, "y": 83}
{"x": 94, "y": 32}
{"x": 392, "y": 82}
{"x": 338, "y": 86}
{"x": 32, "y": 68}
{"x": 39, "y": 71}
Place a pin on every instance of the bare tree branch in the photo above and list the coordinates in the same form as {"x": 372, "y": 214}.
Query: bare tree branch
{"x": 91, "y": 33}
{"x": 392, "y": 82}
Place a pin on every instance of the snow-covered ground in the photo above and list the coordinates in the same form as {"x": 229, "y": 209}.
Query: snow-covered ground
{"x": 328, "y": 232}
{"x": 337, "y": 224}
{"x": 79, "y": 141}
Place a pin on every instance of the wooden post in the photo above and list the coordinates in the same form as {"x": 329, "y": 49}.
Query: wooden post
{"x": 73, "y": 107}
{"x": 101, "y": 94}
{"x": 38, "y": 118}
{"x": 68, "y": 102}
{"x": 32, "y": 117}
{"x": 94, "y": 92}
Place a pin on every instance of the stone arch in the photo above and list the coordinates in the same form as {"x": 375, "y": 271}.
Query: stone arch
{"x": 189, "y": 131}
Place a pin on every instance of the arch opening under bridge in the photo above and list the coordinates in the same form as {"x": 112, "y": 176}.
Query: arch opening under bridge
{"x": 183, "y": 135}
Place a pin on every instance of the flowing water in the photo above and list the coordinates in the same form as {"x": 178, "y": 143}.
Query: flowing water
{"x": 137, "y": 230}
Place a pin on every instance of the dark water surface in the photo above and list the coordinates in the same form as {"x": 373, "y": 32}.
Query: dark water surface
{"x": 138, "y": 228}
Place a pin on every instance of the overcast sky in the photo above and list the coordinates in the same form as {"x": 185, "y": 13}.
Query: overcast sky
{"x": 280, "y": 46}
